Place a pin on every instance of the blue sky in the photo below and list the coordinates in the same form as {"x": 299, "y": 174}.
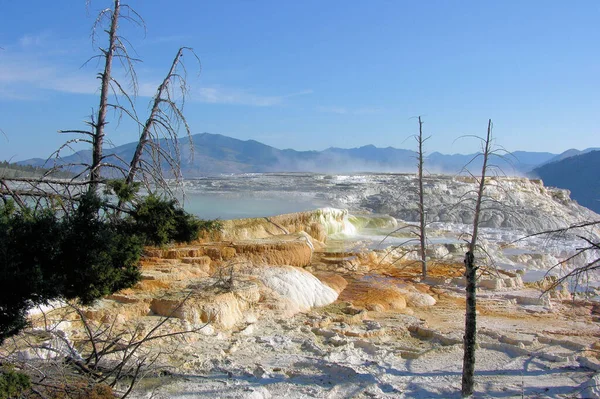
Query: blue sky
{"x": 315, "y": 74}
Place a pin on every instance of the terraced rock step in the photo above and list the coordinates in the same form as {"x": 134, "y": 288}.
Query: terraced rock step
{"x": 278, "y": 315}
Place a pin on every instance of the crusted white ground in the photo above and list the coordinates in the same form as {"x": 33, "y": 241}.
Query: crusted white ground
{"x": 300, "y": 288}
{"x": 525, "y": 351}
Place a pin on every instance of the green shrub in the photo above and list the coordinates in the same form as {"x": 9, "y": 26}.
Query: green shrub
{"x": 28, "y": 246}
{"x": 13, "y": 383}
{"x": 83, "y": 254}
{"x": 162, "y": 221}
{"x": 97, "y": 257}
{"x": 124, "y": 192}
{"x": 78, "y": 256}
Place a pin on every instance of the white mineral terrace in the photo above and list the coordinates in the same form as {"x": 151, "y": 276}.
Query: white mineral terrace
{"x": 329, "y": 302}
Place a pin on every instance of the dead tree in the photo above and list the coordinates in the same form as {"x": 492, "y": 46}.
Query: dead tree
{"x": 110, "y": 87}
{"x": 158, "y": 143}
{"x": 112, "y": 354}
{"x": 165, "y": 117}
{"x": 589, "y": 234}
{"x": 105, "y": 78}
{"x": 419, "y": 230}
{"x": 470, "y": 337}
{"x": 422, "y": 212}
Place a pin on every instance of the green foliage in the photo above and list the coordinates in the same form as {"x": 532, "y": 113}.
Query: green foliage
{"x": 13, "y": 383}
{"x": 83, "y": 254}
{"x": 97, "y": 257}
{"x": 22, "y": 258}
{"x": 13, "y": 170}
{"x": 44, "y": 257}
{"x": 161, "y": 221}
{"x": 124, "y": 192}
{"x": 155, "y": 219}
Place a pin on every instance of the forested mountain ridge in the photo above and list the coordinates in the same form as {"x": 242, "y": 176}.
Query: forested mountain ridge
{"x": 579, "y": 174}
{"x": 19, "y": 170}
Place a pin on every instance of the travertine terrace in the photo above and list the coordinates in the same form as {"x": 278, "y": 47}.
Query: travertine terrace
{"x": 290, "y": 310}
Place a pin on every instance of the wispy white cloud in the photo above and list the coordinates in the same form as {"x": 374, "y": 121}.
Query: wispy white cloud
{"x": 75, "y": 83}
{"x": 39, "y": 62}
{"x": 27, "y": 69}
{"x": 350, "y": 111}
{"x": 222, "y": 95}
{"x": 8, "y": 93}
{"x": 20, "y": 75}
{"x": 18, "y": 72}
{"x": 34, "y": 40}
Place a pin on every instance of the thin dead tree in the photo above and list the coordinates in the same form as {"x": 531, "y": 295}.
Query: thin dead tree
{"x": 110, "y": 87}
{"x": 588, "y": 253}
{"x": 166, "y": 116}
{"x": 422, "y": 213}
{"x": 419, "y": 230}
{"x": 158, "y": 146}
{"x": 105, "y": 78}
{"x": 470, "y": 336}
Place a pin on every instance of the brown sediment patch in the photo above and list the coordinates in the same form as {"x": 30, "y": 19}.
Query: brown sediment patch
{"x": 379, "y": 290}
{"x": 205, "y": 305}
{"x": 292, "y": 249}
{"x": 317, "y": 231}
{"x": 410, "y": 269}
{"x": 108, "y": 310}
{"x": 373, "y": 296}
{"x": 147, "y": 286}
{"x": 333, "y": 280}
{"x": 202, "y": 262}
{"x": 293, "y": 253}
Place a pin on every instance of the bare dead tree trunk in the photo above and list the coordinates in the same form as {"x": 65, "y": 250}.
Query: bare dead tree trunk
{"x": 164, "y": 121}
{"x": 105, "y": 76}
{"x": 422, "y": 236}
{"x": 470, "y": 337}
{"x": 152, "y": 120}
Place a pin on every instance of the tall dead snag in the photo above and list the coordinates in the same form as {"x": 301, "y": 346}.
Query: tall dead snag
{"x": 105, "y": 78}
{"x": 422, "y": 213}
{"x": 418, "y": 230}
{"x": 165, "y": 118}
{"x": 158, "y": 147}
{"x": 108, "y": 21}
{"x": 470, "y": 336}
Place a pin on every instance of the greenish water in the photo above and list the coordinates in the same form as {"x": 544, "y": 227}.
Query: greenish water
{"x": 208, "y": 206}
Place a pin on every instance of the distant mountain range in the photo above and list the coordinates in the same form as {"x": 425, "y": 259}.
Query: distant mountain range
{"x": 211, "y": 154}
{"x": 214, "y": 153}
